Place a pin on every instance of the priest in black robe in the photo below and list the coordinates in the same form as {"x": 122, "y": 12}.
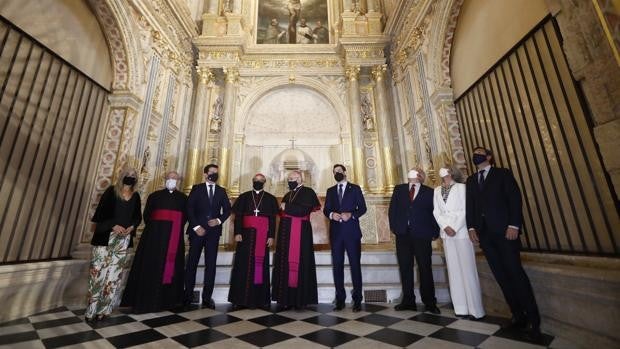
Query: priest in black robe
{"x": 294, "y": 273}
{"x": 255, "y": 226}
{"x": 155, "y": 281}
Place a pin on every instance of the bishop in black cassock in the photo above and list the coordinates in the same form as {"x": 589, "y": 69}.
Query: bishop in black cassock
{"x": 155, "y": 281}
{"x": 294, "y": 274}
{"x": 255, "y": 224}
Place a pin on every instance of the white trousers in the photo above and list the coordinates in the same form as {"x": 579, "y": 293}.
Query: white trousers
{"x": 463, "y": 277}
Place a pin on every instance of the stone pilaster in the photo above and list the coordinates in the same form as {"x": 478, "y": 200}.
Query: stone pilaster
{"x": 232, "y": 77}
{"x": 198, "y": 137}
{"x": 384, "y": 129}
{"x": 352, "y": 73}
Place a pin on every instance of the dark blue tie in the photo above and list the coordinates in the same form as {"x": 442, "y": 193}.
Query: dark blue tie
{"x": 210, "y": 192}
{"x": 481, "y": 179}
{"x": 340, "y": 194}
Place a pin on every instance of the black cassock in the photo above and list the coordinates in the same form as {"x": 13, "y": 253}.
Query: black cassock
{"x": 294, "y": 273}
{"x": 155, "y": 281}
{"x": 249, "y": 280}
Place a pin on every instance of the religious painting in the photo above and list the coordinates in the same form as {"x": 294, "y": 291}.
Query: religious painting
{"x": 292, "y": 22}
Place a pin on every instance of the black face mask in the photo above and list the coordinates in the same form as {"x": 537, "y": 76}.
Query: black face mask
{"x": 292, "y": 184}
{"x": 212, "y": 177}
{"x": 338, "y": 176}
{"x": 258, "y": 185}
{"x": 130, "y": 181}
{"x": 479, "y": 158}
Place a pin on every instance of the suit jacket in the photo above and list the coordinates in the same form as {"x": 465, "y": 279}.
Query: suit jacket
{"x": 352, "y": 201}
{"x": 496, "y": 205}
{"x": 452, "y": 212}
{"x": 415, "y": 216}
{"x": 200, "y": 210}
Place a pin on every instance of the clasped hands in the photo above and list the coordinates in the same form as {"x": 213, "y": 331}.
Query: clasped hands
{"x": 117, "y": 229}
{"x": 511, "y": 234}
{"x": 341, "y": 217}
{"x": 239, "y": 238}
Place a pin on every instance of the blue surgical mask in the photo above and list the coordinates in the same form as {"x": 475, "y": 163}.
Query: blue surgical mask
{"x": 479, "y": 158}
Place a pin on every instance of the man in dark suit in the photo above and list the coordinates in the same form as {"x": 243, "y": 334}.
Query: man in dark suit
{"x": 412, "y": 221}
{"x": 344, "y": 205}
{"x": 208, "y": 208}
{"x": 494, "y": 220}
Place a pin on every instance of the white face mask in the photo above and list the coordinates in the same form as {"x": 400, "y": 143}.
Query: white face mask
{"x": 171, "y": 184}
{"x": 413, "y": 174}
{"x": 443, "y": 172}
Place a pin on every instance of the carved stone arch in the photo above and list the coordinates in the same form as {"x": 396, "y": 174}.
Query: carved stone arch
{"x": 443, "y": 35}
{"x": 117, "y": 26}
{"x": 323, "y": 89}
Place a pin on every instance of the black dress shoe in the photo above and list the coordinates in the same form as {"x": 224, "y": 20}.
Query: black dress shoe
{"x": 339, "y": 306}
{"x": 357, "y": 307}
{"x": 516, "y": 323}
{"x": 532, "y": 334}
{"x": 473, "y": 318}
{"x": 432, "y": 309}
{"x": 404, "y": 306}
{"x": 208, "y": 303}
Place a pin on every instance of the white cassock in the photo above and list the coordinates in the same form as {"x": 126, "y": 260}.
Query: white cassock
{"x": 459, "y": 250}
{"x": 302, "y": 35}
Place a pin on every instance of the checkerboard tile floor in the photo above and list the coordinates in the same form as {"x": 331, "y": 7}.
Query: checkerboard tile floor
{"x": 376, "y": 326}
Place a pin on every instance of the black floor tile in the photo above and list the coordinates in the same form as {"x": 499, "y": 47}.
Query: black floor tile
{"x": 185, "y": 308}
{"x": 433, "y": 319}
{"x": 372, "y": 308}
{"x": 164, "y": 320}
{"x": 15, "y": 322}
{"x": 224, "y": 308}
{"x": 379, "y": 320}
{"x": 56, "y": 322}
{"x": 55, "y": 310}
{"x": 501, "y": 321}
{"x": 18, "y": 337}
{"x": 113, "y": 321}
{"x": 265, "y": 337}
{"x": 520, "y": 335}
{"x": 272, "y": 320}
{"x": 218, "y": 320}
{"x": 79, "y": 312}
{"x": 329, "y": 337}
{"x": 136, "y": 338}
{"x": 201, "y": 337}
{"x": 325, "y": 320}
{"x": 321, "y": 308}
{"x": 395, "y": 337}
{"x": 459, "y": 336}
{"x": 71, "y": 339}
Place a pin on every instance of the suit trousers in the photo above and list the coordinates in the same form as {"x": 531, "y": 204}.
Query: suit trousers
{"x": 504, "y": 259}
{"x": 210, "y": 243}
{"x": 409, "y": 247}
{"x": 341, "y": 243}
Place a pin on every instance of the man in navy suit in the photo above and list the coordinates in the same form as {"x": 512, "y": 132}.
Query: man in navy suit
{"x": 208, "y": 208}
{"x": 494, "y": 220}
{"x": 412, "y": 221}
{"x": 344, "y": 205}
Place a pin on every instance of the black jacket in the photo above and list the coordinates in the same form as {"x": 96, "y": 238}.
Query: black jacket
{"x": 416, "y": 216}
{"x": 200, "y": 210}
{"x": 497, "y": 205}
{"x": 104, "y": 217}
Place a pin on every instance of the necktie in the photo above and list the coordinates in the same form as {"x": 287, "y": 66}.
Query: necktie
{"x": 481, "y": 179}
{"x": 412, "y": 192}
{"x": 211, "y": 192}
{"x": 340, "y": 193}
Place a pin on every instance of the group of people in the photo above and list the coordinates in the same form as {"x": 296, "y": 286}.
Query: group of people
{"x": 486, "y": 210}
{"x": 301, "y": 34}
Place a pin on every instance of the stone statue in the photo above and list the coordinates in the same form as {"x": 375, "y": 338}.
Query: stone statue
{"x": 216, "y": 118}
{"x": 367, "y": 114}
{"x": 146, "y": 157}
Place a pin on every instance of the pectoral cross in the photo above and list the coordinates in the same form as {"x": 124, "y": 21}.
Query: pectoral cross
{"x": 256, "y": 211}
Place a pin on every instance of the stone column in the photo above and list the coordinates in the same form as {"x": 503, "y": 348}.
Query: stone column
{"x": 198, "y": 136}
{"x": 209, "y": 18}
{"x": 383, "y": 127}
{"x": 232, "y": 76}
{"x": 359, "y": 166}
{"x": 371, "y": 5}
{"x": 347, "y": 5}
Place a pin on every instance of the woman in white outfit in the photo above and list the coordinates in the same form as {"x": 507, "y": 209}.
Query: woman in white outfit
{"x": 449, "y": 211}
